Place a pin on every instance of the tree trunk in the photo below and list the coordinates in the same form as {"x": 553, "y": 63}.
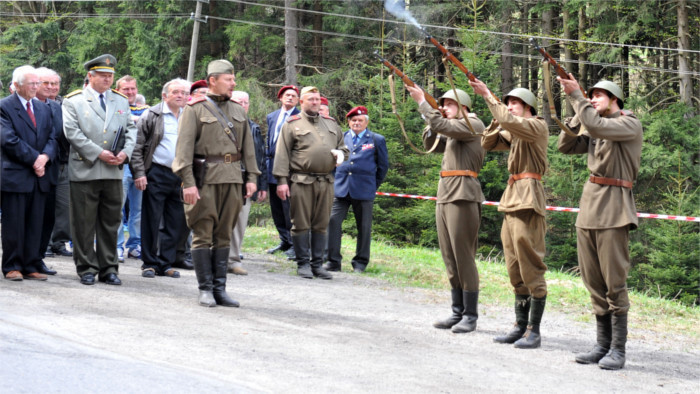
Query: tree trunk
{"x": 506, "y": 58}
{"x": 547, "y": 30}
{"x": 318, "y": 38}
{"x": 524, "y": 75}
{"x": 291, "y": 57}
{"x": 568, "y": 54}
{"x": 215, "y": 37}
{"x": 686, "y": 85}
{"x": 583, "y": 70}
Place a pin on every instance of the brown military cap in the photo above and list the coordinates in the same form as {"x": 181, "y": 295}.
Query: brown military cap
{"x": 221, "y": 66}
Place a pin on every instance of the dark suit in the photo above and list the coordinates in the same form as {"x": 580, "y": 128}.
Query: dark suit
{"x": 278, "y": 208}
{"x": 57, "y": 201}
{"x": 356, "y": 182}
{"x": 24, "y": 194}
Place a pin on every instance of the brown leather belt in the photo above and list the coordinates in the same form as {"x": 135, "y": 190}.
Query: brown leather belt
{"x": 449, "y": 173}
{"x": 523, "y": 175}
{"x": 610, "y": 181}
{"x": 227, "y": 158}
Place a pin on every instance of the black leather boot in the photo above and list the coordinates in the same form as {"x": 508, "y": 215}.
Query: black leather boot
{"x": 615, "y": 359}
{"x": 318, "y": 247}
{"x": 531, "y": 339}
{"x": 470, "y": 315}
{"x": 522, "y": 313}
{"x": 219, "y": 263}
{"x": 457, "y": 311}
{"x": 201, "y": 258}
{"x": 603, "y": 339}
{"x": 302, "y": 246}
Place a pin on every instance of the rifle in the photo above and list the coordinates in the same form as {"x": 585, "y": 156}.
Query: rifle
{"x": 561, "y": 71}
{"x": 408, "y": 81}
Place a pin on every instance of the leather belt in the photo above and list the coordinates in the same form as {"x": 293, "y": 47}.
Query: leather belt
{"x": 523, "y": 175}
{"x": 610, "y": 181}
{"x": 449, "y": 173}
{"x": 227, "y": 158}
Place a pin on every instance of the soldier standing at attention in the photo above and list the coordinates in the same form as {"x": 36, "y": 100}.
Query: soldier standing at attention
{"x": 309, "y": 148}
{"x": 613, "y": 141}
{"x": 517, "y": 128}
{"x": 459, "y": 198}
{"x": 215, "y": 129}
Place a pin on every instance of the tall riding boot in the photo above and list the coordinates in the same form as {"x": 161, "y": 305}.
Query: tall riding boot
{"x": 531, "y": 339}
{"x": 219, "y": 263}
{"x": 457, "y": 310}
{"x": 471, "y": 314}
{"x": 615, "y": 359}
{"x": 319, "y": 241}
{"x": 302, "y": 251}
{"x": 603, "y": 339}
{"x": 522, "y": 312}
{"x": 201, "y": 258}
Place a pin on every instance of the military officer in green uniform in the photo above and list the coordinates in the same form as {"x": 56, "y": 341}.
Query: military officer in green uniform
{"x": 92, "y": 119}
{"x": 215, "y": 129}
{"x": 309, "y": 147}
{"x": 517, "y": 129}
{"x": 612, "y": 138}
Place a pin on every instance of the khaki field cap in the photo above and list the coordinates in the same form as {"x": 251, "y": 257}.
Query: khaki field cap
{"x": 610, "y": 87}
{"x": 309, "y": 89}
{"x": 525, "y": 95}
{"x": 464, "y": 98}
{"x": 221, "y": 66}
{"x": 104, "y": 63}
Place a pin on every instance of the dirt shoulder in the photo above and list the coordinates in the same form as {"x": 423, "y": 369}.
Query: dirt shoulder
{"x": 350, "y": 334}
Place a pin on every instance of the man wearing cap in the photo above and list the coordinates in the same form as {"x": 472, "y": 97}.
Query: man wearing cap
{"x": 612, "y": 138}
{"x": 459, "y": 198}
{"x": 214, "y": 131}
{"x": 310, "y": 146}
{"x": 324, "y": 109}
{"x": 92, "y": 119}
{"x": 356, "y": 182}
{"x": 198, "y": 89}
{"x": 289, "y": 97}
{"x": 517, "y": 129}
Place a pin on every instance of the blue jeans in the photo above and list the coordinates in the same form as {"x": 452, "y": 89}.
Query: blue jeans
{"x": 135, "y": 195}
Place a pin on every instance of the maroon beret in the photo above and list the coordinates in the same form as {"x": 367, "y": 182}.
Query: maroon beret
{"x": 324, "y": 101}
{"x": 286, "y": 87}
{"x": 199, "y": 84}
{"x": 357, "y": 111}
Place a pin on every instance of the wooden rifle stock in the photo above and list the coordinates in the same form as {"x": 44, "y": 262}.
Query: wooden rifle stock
{"x": 408, "y": 81}
{"x": 561, "y": 71}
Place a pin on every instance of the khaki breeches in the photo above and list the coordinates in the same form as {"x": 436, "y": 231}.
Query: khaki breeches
{"x": 310, "y": 206}
{"x": 523, "y": 246}
{"x": 458, "y": 234}
{"x": 212, "y": 218}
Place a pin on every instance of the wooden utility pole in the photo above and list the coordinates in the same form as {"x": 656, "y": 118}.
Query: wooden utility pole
{"x": 195, "y": 38}
{"x": 291, "y": 57}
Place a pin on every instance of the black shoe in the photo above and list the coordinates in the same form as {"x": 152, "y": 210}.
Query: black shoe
{"x": 240, "y": 256}
{"x": 282, "y": 247}
{"x": 111, "y": 279}
{"x": 331, "y": 267}
{"x": 88, "y": 278}
{"x": 63, "y": 252}
{"x": 49, "y": 253}
{"x": 46, "y": 270}
{"x": 290, "y": 254}
{"x": 185, "y": 264}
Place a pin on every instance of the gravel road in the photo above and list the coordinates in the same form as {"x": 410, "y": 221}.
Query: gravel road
{"x": 350, "y": 334}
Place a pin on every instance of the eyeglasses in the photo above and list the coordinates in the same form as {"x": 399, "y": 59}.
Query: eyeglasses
{"x": 50, "y": 83}
{"x": 32, "y": 83}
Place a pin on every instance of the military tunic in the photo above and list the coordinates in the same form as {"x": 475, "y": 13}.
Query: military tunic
{"x": 614, "y": 147}
{"x": 199, "y": 133}
{"x": 523, "y": 201}
{"x": 304, "y": 161}
{"x": 459, "y": 198}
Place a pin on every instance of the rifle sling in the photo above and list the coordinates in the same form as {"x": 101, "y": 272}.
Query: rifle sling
{"x": 550, "y": 98}
{"x": 225, "y": 123}
{"x": 401, "y": 124}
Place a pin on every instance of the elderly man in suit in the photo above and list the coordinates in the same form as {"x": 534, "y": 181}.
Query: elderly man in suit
{"x": 356, "y": 182}
{"x": 28, "y": 150}
{"x": 93, "y": 118}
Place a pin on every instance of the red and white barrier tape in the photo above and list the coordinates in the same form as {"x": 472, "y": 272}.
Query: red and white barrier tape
{"x": 551, "y": 208}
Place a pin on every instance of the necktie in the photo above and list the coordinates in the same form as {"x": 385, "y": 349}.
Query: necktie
{"x": 30, "y": 113}
{"x": 102, "y": 102}
{"x": 278, "y": 127}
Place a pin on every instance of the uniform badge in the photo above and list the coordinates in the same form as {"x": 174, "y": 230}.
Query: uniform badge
{"x": 367, "y": 146}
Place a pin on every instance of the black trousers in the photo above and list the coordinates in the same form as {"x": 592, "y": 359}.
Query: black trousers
{"x": 61, "y": 228}
{"x": 22, "y": 223}
{"x": 161, "y": 201}
{"x": 363, "y": 218}
{"x": 280, "y": 215}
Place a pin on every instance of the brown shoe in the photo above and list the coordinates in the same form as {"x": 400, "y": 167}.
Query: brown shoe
{"x": 171, "y": 273}
{"x": 236, "y": 269}
{"x": 14, "y": 276}
{"x": 35, "y": 276}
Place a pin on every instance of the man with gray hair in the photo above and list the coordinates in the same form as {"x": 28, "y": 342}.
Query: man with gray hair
{"x": 151, "y": 166}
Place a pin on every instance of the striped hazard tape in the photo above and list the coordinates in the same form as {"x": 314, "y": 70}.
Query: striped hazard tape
{"x": 551, "y": 208}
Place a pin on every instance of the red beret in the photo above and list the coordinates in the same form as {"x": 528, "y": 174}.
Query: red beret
{"x": 324, "y": 101}
{"x": 199, "y": 84}
{"x": 283, "y": 88}
{"x": 357, "y": 111}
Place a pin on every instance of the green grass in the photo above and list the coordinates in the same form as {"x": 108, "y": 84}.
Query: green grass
{"x": 423, "y": 267}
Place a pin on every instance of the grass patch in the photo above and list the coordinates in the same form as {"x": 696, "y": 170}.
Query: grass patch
{"x": 423, "y": 267}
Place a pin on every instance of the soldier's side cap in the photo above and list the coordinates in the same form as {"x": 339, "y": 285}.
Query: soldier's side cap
{"x": 324, "y": 101}
{"x": 285, "y": 88}
{"x": 199, "y": 84}
{"x": 309, "y": 89}
{"x": 360, "y": 110}
{"x": 221, "y": 66}
{"x": 104, "y": 63}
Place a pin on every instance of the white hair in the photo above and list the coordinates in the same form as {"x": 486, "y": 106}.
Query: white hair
{"x": 44, "y": 71}
{"x": 178, "y": 81}
{"x": 20, "y": 72}
{"x": 239, "y": 94}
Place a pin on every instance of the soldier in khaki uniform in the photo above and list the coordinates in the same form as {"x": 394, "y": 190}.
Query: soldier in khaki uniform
{"x": 459, "y": 198}
{"x": 612, "y": 138}
{"x": 308, "y": 149}
{"x": 517, "y": 128}
{"x": 211, "y": 211}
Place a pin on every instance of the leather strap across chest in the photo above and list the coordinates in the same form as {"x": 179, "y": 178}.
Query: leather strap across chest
{"x": 449, "y": 173}
{"x": 610, "y": 181}
{"x": 523, "y": 175}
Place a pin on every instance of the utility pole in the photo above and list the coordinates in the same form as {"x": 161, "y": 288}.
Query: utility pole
{"x": 197, "y": 16}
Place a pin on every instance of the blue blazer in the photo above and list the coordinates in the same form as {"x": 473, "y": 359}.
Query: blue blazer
{"x": 22, "y": 143}
{"x": 364, "y": 171}
{"x": 272, "y": 145}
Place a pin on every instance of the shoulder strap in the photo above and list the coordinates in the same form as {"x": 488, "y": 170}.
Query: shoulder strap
{"x": 225, "y": 123}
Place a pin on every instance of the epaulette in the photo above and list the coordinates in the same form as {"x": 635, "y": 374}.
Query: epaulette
{"x": 197, "y": 100}
{"x": 293, "y": 118}
{"x": 626, "y": 112}
{"x": 120, "y": 93}
{"x": 328, "y": 117}
{"x": 139, "y": 108}
{"x": 73, "y": 93}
